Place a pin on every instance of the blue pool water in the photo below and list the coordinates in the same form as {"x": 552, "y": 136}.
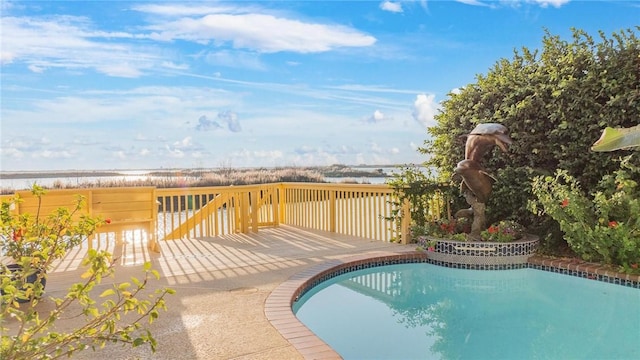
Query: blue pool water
{"x": 423, "y": 311}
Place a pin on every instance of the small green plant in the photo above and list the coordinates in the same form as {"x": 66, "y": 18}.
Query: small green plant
{"x": 604, "y": 227}
{"x": 425, "y": 243}
{"x": 36, "y": 240}
{"x": 428, "y": 199}
{"x": 32, "y": 243}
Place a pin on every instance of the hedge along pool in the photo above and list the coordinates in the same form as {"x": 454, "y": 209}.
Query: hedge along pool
{"x": 425, "y": 311}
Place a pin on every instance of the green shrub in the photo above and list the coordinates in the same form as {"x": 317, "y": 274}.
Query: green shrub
{"x": 555, "y": 101}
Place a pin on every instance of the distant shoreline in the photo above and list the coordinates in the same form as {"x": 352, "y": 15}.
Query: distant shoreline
{"x": 54, "y": 174}
{"x": 330, "y": 171}
{"x": 11, "y": 181}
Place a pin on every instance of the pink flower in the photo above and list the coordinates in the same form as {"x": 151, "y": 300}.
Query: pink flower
{"x": 431, "y": 249}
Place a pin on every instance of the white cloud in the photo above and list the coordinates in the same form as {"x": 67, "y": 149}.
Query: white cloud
{"x": 36, "y": 69}
{"x": 268, "y": 154}
{"x": 139, "y": 120}
{"x": 235, "y": 59}
{"x": 231, "y": 119}
{"x": 69, "y": 42}
{"x": 119, "y": 70}
{"x": 186, "y": 142}
{"x": 246, "y": 157}
{"x": 174, "y": 152}
{"x": 159, "y": 106}
{"x": 173, "y": 10}
{"x": 318, "y": 158}
{"x": 377, "y": 117}
{"x": 228, "y": 118}
{"x": 53, "y": 154}
{"x": 173, "y": 66}
{"x": 425, "y": 109}
{"x": 11, "y": 153}
{"x": 375, "y": 148}
{"x": 260, "y": 32}
{"x": 206, "y": 124}
{"x": 554, "y": 3}
{"x": 391, "y": 6}
{"x": 516, "y": 3}
{"x": 472, "y": 2}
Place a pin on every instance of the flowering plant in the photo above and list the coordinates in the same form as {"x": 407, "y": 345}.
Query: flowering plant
{"x": 456, "y": 229}
{"x": 504, "y": 231}
{"x": 443, "y": 228}
{"x": 36, "y": 239}
{"x": 603, "y": 227}
{"x": 426, "y": 243}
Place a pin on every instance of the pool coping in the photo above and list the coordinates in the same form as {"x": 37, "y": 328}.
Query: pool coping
{"x": 278, "y": 306}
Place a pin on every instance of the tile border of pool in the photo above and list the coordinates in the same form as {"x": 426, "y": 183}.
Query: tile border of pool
{"x": 278, "y": 306}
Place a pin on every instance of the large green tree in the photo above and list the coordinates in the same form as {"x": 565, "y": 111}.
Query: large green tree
{"x": 555, "y": 101}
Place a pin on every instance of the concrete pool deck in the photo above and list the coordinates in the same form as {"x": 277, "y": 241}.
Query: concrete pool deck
{"x": 222, "y": 284}
{"x": 233, "y": 292}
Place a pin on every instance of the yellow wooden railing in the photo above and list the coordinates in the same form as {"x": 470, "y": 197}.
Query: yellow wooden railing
{"x": 166, "y": 214}
{"x": 350, "y": 209}
{"x": 126, "y": 208}
{"x": 214, "y": 211}
{"x": 358, "y": 210}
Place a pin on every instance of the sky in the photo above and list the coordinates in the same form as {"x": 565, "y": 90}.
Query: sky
{"x": 96, "y": 85}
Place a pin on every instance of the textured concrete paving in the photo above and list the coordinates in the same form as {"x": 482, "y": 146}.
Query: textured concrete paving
{"x": 222, "y": 284}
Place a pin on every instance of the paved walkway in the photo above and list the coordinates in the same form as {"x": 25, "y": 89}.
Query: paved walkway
{"x": 222, "y": 284}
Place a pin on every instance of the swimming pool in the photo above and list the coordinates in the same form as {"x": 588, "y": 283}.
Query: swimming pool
{"x": 424, "y": 311}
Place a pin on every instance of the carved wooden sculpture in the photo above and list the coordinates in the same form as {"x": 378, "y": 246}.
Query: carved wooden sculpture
{"x": 476, "y": 183}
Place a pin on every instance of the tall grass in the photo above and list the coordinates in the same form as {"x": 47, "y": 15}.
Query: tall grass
{"x": 202, "y": 179}
{"x": 224, "y": 176}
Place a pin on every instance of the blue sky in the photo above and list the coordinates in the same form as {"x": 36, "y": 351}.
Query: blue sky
{"x": 158, "y": 84}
